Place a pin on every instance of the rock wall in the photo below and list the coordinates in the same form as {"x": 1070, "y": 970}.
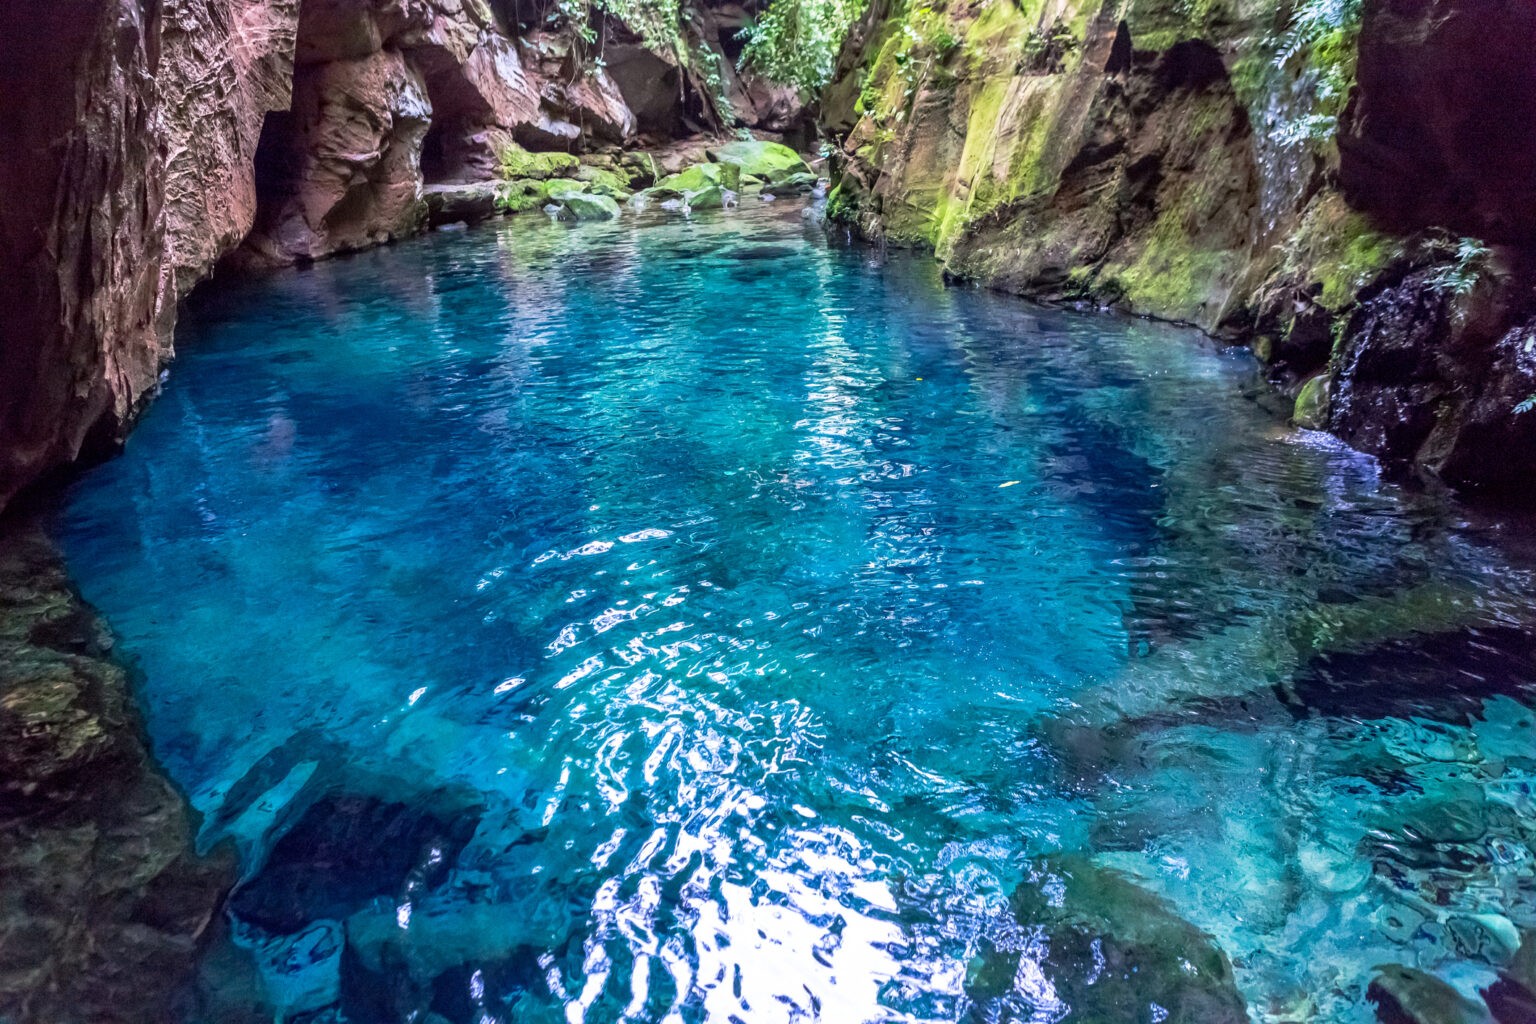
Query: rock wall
{"x": 103, "y": 906}
{"x": 151, "y": 141}
{"x": 1350, "y": 197}
{"x": 81, "y": 229}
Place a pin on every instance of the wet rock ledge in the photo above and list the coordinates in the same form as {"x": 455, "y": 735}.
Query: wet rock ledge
{"x": 103, "y": 903}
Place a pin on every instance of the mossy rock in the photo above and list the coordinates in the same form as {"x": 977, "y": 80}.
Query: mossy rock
{"x": 517, "y": 162}
{"x": 585, "y": 205}
{"x": 526, "y": 194}
{"x": 521, "y": 195}
{"x": 605, "y": 181}
{"x": 1311, "y": 412}
{"x": 1112, "y": 949}
{"x": 701, "y": 177}
{"x": 767, "y": 160}
{"x": 792, "y": 185}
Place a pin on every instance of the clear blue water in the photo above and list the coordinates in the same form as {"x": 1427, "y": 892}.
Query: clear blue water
{"x": 693, "y": 621}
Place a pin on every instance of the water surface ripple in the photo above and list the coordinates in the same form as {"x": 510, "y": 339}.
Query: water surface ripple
{"x": 692, "y": 621}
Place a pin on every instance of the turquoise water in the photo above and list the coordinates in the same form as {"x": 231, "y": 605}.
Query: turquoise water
{"x": 695, "y": 621}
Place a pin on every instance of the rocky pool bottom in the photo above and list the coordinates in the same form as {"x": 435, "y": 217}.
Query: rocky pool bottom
{"x": 689, "y": 620}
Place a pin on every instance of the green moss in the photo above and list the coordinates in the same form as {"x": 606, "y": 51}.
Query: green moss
{"x": 605, "y": 182}
{"x": 1311, "y": 409}
{"x": 585, "y": 205}
{"x": 841, "y": 206}
{"x": 770, "y": 161}
{"x": 701, "y": 177}
{"x": 523, "y": 194}
{"x": 1338, "y": 249}
{"x": 517, "y": 162}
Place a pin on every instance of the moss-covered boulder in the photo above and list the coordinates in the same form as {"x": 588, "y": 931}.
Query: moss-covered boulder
{"x": 1311, "y": 412}
{"x": 699, "y": 178}
{"x": 519, "y": 163}
{"x": 585, "y": 205}
{"x": 524, "y": 194}
{"x": 605, "y": 181}
{"x": 771, "y": 161}
{"x": 1111, "y": 950}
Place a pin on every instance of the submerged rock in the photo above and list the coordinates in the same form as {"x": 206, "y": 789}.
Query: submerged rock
{"x": 1404, "y": 995}
{"x": 347, "y": 849}
{"x": 1106, "y": 949}
{"x": 103, "y": 903}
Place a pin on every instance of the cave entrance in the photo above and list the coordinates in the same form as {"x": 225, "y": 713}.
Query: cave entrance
{"x": 277, "y": 160}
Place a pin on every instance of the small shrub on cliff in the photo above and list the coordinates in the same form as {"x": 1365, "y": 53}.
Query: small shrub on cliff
{"x": 796, "y": 41}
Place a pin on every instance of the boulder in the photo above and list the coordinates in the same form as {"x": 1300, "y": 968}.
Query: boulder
{"x": 771, "y": 161}
{"x": 585, "y": 206}
{"x": 1405, "y": 995}
{"x": 461, "y": 204}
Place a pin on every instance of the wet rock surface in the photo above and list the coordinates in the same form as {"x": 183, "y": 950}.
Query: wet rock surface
{"x": 103, "y": 904}
{"x": 1351, "y": 203}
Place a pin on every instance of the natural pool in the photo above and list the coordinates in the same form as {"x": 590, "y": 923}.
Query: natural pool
{"x": 694, "y": 621}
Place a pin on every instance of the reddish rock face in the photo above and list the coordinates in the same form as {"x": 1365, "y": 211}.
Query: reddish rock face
{"x": 344, "y": 164}
{"x": 80, "y": 228}
{"x": 1438, "y": 132}
{"x": 225, "y": 65}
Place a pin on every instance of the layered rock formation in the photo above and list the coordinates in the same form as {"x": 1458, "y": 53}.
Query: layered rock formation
{"x": 1343, "y": 190}
{"x": 103, "y": 905}
{"x": 149, "y": 141}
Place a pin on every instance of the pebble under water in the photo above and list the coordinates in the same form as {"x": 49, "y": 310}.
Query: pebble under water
{"x": 681, "y": 621}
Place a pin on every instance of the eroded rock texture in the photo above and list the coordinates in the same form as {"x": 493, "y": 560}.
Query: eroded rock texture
{"x": 149, "y": 141}
{"x": 103, "y": 906}
{"x": 1307, "y": 192}
{"x": 80, "y": 230}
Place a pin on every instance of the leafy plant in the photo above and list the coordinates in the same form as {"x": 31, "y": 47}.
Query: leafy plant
{"x": 796, "y": 41}
{"x": 1320, "y": 42}
{"x": 1466, "y": 264}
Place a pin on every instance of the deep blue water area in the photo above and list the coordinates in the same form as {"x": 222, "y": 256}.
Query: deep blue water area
{"x": 692, "y": 620}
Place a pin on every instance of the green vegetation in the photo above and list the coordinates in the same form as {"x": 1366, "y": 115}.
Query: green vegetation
{"x": 525, "y": 194}
{"x": 517, "y": 162}
{"x": 1337, "y": 247}
{"x": 770, "y": 161}
{"x": 796, "y": 41}
{"x": 1321, "y": 40}
{"x": 1467, "y": 261}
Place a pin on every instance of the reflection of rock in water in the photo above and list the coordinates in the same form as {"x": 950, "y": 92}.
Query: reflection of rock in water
{"x": 103, "y": 905}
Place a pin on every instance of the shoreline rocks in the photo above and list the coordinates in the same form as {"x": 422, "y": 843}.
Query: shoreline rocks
{"x": 104, "y": 905}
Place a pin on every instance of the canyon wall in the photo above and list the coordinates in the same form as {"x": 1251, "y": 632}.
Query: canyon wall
{"x": 150, "y": 141}
{"x": 1345, "y": 187}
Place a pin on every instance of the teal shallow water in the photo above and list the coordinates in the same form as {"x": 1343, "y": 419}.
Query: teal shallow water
{"x": 694, "y": 621}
